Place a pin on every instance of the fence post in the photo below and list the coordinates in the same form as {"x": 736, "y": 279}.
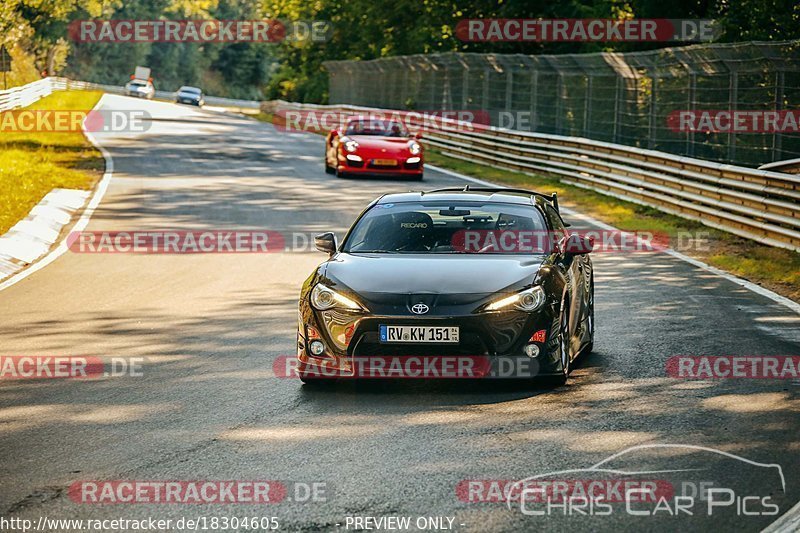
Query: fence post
{"x": 485, "y": 97}
{"x": 691, "y": 105}
{"x": 465, "y": 89}
{"x": 404, "y": 91}
{"x": 733, "y": 89}
{"x": 509, "y": 88}
{"x": 777, "y": 137}
{"x": 651, "y": 140}
{"x": 534, "y": 99}
{"x": 587, "y": 107}
{"x": 617, "y": 106}
{"x": 559, "y": 125}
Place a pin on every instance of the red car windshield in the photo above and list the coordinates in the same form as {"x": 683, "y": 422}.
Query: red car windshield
{"x": 382, "y": 128}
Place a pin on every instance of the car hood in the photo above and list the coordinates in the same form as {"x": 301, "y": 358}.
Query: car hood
{"x": 189, "y": 95}
{"x": 431, "y": 274}
{"x": 383, "y": 143}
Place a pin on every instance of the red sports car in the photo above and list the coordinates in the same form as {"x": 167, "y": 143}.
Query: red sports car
{"x": 373, "y": 146}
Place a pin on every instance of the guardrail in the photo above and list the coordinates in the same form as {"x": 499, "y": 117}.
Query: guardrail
{"x": 791, "y": 166}
{"x": 757, "y": 204}
{"x": 26, "y": 95}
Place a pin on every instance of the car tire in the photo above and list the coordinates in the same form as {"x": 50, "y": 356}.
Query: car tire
{"x": 563, "y": 348}
{"x": 328, "y": 169}
{"x": 419, "y": 177}
{"x": 339, "y": 173}
{"x": 590, "y": 345}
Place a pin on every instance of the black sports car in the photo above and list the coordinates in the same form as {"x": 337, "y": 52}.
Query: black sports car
{"x": 190, "y": 95}
{"x": 460, "y": 272}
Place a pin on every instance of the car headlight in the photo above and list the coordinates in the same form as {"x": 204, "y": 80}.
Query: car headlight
{"x": 414, "y": 148}
{"x": 528, "y": 300}
{"x": 323, "y": 298}
{"x": 349, "y": 144}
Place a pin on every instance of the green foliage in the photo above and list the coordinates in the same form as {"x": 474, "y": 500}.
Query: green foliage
{"x": 362, "y": 29}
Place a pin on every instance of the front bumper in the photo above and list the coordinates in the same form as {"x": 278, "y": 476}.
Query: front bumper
{"x": 490, "y": 343}
{"x": 367, "y": 167}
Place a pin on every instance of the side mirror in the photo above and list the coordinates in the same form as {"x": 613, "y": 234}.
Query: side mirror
{"x": 326, "y": 242}
{"x": 578, "y": 245}
{"x": 418, "y": 135}
{"x": 334, "y": 133}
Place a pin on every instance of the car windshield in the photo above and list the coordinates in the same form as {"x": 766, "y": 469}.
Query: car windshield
{"x": 192, "y": 90}
{"x": 449, "y": 228}
{"x": 382, "y": 128}
{"x": 138, "y": 84}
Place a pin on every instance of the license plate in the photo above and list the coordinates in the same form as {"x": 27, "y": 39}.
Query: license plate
{"x": 419, "y": 334}
{"x": 385, "y": 162}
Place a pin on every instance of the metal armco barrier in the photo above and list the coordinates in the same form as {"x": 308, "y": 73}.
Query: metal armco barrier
{"x": 792, "y": 166}
{"x": 757, "y": 204}
{"x": 26, "y": 95}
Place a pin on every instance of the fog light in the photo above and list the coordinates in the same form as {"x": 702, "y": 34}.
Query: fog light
{"x": 412, "y": 160}
{"x": 531, "y": 350}
{"x": 316, "y": 347}
{"x": 353, "y": 157}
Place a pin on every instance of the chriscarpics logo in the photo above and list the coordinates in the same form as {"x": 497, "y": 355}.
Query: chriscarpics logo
{"x": 680, "y": 481}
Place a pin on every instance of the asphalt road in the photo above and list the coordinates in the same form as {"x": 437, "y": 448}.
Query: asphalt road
{"x": 210, "y": 326}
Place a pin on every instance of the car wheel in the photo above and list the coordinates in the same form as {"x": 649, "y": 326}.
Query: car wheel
{"x": 328, "y": 169}
{"x": 418, "y": 177}
{"x": 590, "y": 320}
{"x": 563, "y": 348}
{"x": 339, "y": 173}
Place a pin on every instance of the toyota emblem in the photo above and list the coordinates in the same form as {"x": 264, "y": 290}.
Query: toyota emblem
{"x": 419, "y": 309}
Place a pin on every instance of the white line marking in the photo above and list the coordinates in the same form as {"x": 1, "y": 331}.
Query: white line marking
{"x": 777, "y": 298}
{"x": 788, "y": 523}
{"x": 82, "y": 222}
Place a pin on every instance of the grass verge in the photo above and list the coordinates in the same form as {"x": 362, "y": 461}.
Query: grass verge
{"x": 34, "y": 163}
{"x": 774, "y": 268}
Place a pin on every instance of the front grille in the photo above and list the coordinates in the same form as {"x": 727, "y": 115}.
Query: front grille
{"x": 412, "y": 166}
{"x": 369, "y": 345}
{"x": 357, "y": 164}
